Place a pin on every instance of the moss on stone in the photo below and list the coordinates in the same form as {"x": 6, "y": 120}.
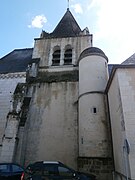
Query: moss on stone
{"x": 50, "y": 77}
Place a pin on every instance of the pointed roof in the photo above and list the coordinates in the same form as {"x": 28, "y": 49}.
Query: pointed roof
{"x": 130, "y": 60}
{"x": 67, "y": 27}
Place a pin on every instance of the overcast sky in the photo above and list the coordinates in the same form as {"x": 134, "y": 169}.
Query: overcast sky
{"x": 110, "y": 21}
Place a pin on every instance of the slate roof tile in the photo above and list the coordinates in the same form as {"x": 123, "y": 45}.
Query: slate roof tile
{"x": 130, "y": 60}
{"x": 16, "y": 61}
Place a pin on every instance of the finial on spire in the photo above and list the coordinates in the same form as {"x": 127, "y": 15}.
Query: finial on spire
{"x": 67, "y": 4}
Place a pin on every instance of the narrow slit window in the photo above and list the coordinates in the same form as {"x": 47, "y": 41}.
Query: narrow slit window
{"x": 94, "y": 110}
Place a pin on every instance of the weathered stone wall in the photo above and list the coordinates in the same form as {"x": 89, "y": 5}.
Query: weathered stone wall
{"x": 101, "y": 167}
{"x": 9, "y": 139}
{"x": 19, "y": 156}
{"x": 51, "y": 126}
{"x": 44, "y": 48}
{"x": 8, "y": 84}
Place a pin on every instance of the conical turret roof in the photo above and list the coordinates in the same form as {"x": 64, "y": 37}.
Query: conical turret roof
{"x": 67, "y": 27}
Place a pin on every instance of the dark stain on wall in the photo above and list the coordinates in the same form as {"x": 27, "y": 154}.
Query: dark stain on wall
{"x": 50, "y": 77}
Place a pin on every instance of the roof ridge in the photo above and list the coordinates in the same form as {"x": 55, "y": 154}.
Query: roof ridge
{"x": 15, "y": 50}
{"x": 22, "y": 49}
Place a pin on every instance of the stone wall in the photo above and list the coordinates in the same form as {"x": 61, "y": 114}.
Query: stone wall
{"x": 44, "y": 48}
{"x": 101, "y": 167}
{"x": 8, "y": 84}
{"x": 51, "y": 128}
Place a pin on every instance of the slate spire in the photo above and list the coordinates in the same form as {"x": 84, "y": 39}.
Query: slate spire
{"x": 67, "y": 27}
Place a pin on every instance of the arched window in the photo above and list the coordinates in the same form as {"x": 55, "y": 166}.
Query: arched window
{"x": 56, "y": 58}
{"x": 68, "y": 56}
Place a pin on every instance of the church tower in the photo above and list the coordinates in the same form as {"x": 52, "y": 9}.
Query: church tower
{"x": 58, "y": 103}
{"x": 63, "y": 114}
{"x": 63, "y": 46}
{"x": 52, "y": 122}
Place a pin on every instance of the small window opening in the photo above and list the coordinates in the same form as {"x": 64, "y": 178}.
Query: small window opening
{"x": 94, "y": 110}
{"x": 56, "y": 58}
{"x": 68, "y": 57}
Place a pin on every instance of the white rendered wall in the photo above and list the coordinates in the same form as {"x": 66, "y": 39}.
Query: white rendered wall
{"x": 116, "y": 116}
{"x": 122, "y": 112}
{"x": 93, "y": 138}
{"x": 93, "y": 74}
